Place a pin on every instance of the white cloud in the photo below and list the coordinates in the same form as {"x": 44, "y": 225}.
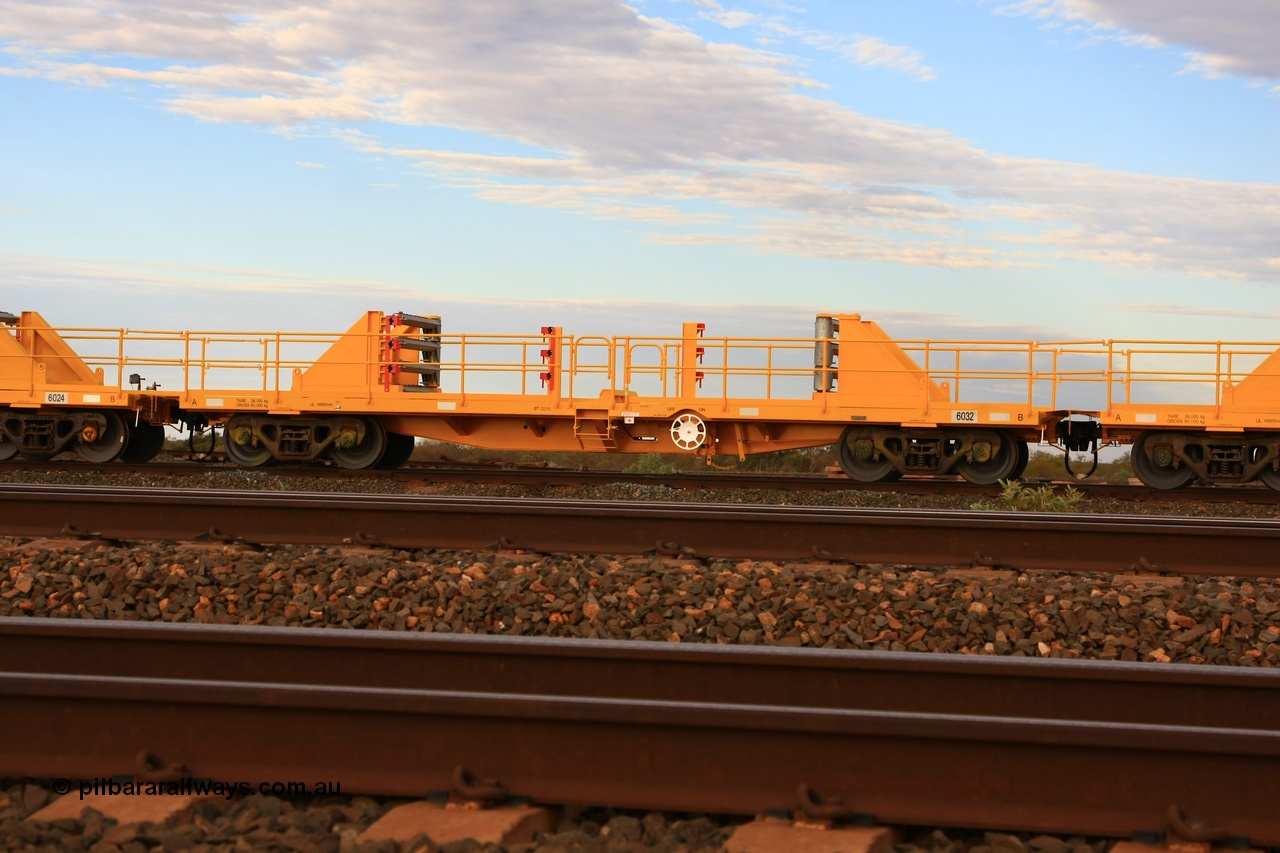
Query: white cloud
{"x": 870, "y": 52}
{"x": 863, "y": 51}
{"x": 631, "y": 118}
{"x": 1199, "y": 311}
{"x": 1236, "y": 37}
{"x": 176, "y": 293}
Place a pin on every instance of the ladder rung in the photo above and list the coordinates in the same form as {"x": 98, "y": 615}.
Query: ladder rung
{"x": 429, "y": 324}
{"x": 419, "y": 344}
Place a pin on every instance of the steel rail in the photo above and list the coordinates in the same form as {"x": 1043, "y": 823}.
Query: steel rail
{"x": 534, "y": 476}
{"x": 1034, "y": 745}
{"x": 883, "y": 681}
{"x": 1029, "y": 541}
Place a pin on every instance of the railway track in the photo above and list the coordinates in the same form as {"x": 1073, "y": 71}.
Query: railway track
{"x": 544, "y": 476}
{"x": 1037, "y": 745}
{"x": 1025, "y": 541}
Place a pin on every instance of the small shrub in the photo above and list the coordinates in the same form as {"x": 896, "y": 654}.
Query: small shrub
{"x": 1018, "y": 498}
{"x": 651, "y": 463}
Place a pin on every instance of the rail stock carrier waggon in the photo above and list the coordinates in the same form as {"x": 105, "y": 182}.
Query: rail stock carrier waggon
{"x": 1193, "y": 411}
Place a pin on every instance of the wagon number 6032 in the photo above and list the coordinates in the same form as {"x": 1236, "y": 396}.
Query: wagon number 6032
{"x": 966, "y": 416}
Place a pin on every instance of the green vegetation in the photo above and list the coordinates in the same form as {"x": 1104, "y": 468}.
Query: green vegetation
{"x": 810, "y": 460}
{"x": 1048, "y": 466}
{"x": 651, "y": 463}
{"x": 1019, "y": 498}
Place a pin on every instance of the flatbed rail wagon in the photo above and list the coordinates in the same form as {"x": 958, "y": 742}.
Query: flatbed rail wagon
{"x": 1207, "y": 411}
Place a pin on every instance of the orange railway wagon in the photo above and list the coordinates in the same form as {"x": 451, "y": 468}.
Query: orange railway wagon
{"x": 1192, "y": 411}
{"x": 53, "y": 400}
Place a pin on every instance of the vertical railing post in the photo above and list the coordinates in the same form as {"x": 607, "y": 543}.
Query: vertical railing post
{"x": 1031, "y": 374}
{"x": 1108, "y": 373}
{"x": 462, "y": 367}
{"x": 1217, "y": 375}
{"x": 957, "y": 388}
{"x": 1128, "y": 376}
{"x": 768, "y": 373}
{"x": 120, "y": 360}
{"x": 1053, "y": 385}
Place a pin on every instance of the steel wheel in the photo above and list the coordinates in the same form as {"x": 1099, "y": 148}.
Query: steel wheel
{"x": 1146, "y": 465}
{"x": 1271, "y": 477}
{"x": 105, "y": 444}
{"x": 7, "y": 448}
{"x": 1024, "y": 456}
{"x": 399, "y": 449}
{"x": 145, "y": 441}
{"x": 999, "y": 466}
{"x": 365, "y": 454}
{"x": 246, "y": 454}
{"x": 856, "y": 455}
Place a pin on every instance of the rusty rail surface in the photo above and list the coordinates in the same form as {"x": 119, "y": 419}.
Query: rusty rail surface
{"x": 1020, "y": 744}
{"x": 530, "y": 475}
{"x": 1029, "y": 541}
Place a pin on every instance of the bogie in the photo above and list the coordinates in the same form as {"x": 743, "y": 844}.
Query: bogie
{"x": 352, "y": 442}
{"x": 97, "y": 437}
{"x": 877, "y": 454}
{"x": 1171, "y": 460}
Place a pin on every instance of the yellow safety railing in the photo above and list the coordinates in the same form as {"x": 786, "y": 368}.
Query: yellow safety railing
{"x": 1039, "y": 374}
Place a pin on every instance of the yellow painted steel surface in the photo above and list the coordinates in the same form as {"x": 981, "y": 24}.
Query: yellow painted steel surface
{"x": 553, "y": 390}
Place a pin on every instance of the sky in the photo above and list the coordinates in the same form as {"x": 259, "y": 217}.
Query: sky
{"x": 950, "y": 168}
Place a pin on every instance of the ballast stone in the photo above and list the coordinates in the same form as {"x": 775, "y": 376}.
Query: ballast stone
{"x": 443, "y": 824}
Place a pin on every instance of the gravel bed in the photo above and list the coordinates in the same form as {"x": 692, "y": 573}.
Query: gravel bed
{"x": 1218, "y": 621}
{"x": 1228, "y": 621}
{"x": 331, "y": 825}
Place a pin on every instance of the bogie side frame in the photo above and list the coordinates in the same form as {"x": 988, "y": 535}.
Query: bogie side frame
{"x": 1207, "y": 411}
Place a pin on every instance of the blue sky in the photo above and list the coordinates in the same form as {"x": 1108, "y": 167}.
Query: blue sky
{"x": 1022, "y": 168}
